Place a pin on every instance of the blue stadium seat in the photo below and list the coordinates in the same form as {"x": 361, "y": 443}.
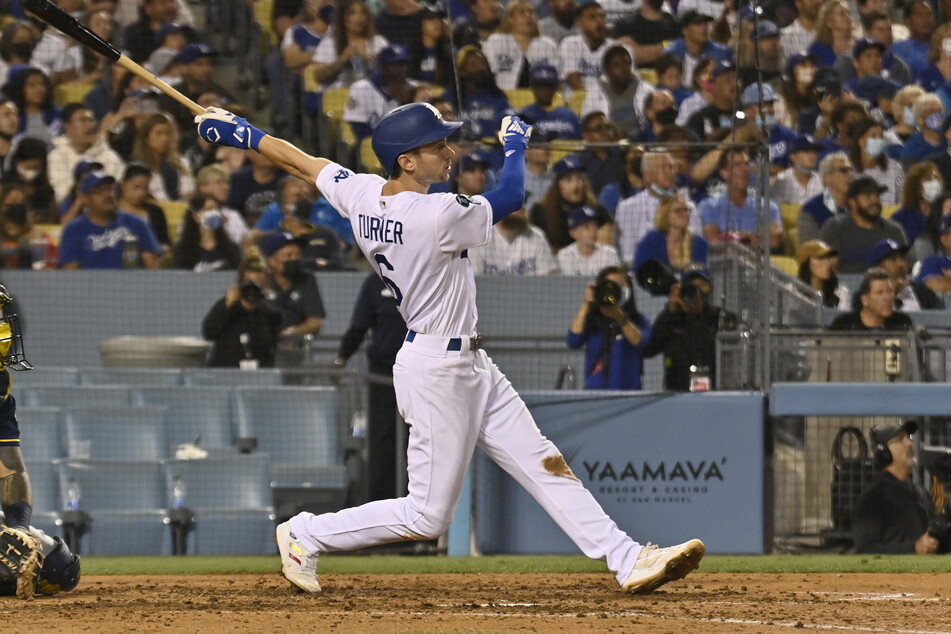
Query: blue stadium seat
{"x": 297, "y": 427}
{"x": 292, "y": 424}
{"x": 131, "y": 376}
{"x": 192, "y": 413}
{"x": 46, "y": 504}
{"x": 45, "y": 376}
{"x": 125, "y": 503}
{"x": 117, "y": 433}
{"x": 199, "y": 377}
{"x": 41, "y": 433}
{"x": 231, "y": 502}
{"x": 75, "y": 396}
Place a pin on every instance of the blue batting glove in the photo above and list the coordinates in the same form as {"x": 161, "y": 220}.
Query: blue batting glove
{"x": 514, "y": 133}
{"x": 221, "y": 127}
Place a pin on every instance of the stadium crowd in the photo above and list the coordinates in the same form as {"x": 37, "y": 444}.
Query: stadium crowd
{"x": 656, "y": 123}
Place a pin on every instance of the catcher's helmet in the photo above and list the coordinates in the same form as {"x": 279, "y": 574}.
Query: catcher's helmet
{"x": 11, "y": 343}
{"x": 406, "y": 128}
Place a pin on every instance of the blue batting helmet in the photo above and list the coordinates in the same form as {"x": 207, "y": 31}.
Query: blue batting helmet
{"x": 406, "y": 128}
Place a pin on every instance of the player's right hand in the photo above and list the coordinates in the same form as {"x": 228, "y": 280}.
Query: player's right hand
{"x": 514, "y": 133}
{"x": 220, "y": 127}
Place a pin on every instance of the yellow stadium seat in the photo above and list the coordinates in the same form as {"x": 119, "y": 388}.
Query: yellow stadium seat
{"x": 648, "y": 74}
{"x": 263, "y": 12}
{"x": 368, "y": 157}
{"x": 576, "y": 100}
{"x": 785, "y": 263}
{"x": 310, "y": 80}
{"x": 333, "y": 102}
{"x": 174, "y": 211}
{"x": 888, "y": 210}
{"x": 53, "y": 230}
{"x": 563, "y": 147}
{"x": 520, "y": 97}
{"x": 71, "y": 92}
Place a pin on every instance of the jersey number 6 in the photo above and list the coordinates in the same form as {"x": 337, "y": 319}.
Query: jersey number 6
{"x": 383, "y": 262}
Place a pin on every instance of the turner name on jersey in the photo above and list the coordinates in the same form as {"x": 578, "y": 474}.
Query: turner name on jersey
{"x": 380, "y": 229}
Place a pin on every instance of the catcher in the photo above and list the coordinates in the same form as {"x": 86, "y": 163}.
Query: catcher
{"x": 59, "y": 571}
{"x": 20, "y": 551}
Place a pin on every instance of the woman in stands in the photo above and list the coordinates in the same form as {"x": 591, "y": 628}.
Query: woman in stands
{"x": 612, "y": 331}
{"x": 29, "y": 170}
{"x": 922, "y": 188}
{"x": 156, "y": 145}
{"x": 134, "y": 198}
{"x": 32, "y": 92}
{"x": 569, "y": 189}
{"x": 795, "y": 93}
{"x": 833, "y": 33}
{"x": 817, "y": 262}
{"x": 348, "y": 52}
{"x": 671, "y": 242}
{"x": 204, "y": 244}
{"x": 517, "y": 46}
{"x": 868, "y": 157}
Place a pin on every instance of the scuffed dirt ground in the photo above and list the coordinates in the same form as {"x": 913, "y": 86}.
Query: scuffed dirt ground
{"x": 910, "y": 603}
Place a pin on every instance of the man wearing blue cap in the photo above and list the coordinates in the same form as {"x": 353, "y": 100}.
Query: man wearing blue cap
{"x": 766, "y": 63}
{"x": 910, "y": 295}
{"x": 869, "y": 84}
{"x": 290, "y": 288}
{"x": 585, "y": 256}
{"x": 387, "y": 88}
{"x": 556, "y": 122}
{"x": 876, "y": 25}
{"x": 104, "y": 237}
{"x": 935, "y": 270}
{"x": 694, "y": 43}
{"x": 759, "y": 102}
{"x": 800, "y": 181}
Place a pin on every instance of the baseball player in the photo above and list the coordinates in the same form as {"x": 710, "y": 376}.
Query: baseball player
{"x": 20, "y": 553}
{"x": 447, "y": 389}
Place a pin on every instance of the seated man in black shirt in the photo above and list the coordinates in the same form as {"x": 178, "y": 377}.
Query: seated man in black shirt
{"x": 646, "y": 31}
{"x": 874, "y": 306}
{"x": 243, "y": 325}
{"x": 892, "y": 516}
{"x": 292, "y": 290}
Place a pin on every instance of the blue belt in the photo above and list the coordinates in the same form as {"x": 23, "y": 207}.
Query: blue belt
{"x": 455, "y": 343}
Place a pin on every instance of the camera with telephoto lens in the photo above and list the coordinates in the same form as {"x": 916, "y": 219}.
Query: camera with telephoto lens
{"x": 658, "y": 278}
{"x": 251, "y": 292}
{"x": 607, "y": 294}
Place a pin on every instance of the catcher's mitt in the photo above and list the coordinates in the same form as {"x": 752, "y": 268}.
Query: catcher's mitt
{"x": 20, "y": 552}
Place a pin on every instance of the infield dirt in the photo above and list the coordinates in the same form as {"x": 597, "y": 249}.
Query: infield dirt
{"x": 703, "y": 602}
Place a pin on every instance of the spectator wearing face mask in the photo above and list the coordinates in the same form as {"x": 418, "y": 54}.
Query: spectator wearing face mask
{"x": 293, "y": 291}
{"x": 930, "y": 138}
{"x": 660, "y": 109}
{"x": 203, "y": 244}
{"x": 29, "y": 170}
{"x": 800, "y": 181}
{"x": 868, "y": 156}
{"x": 796, "y": 90}
{"x": 922, "y": 187}
{"x": 612, "y": 331}
{"x": 903, "y": 113}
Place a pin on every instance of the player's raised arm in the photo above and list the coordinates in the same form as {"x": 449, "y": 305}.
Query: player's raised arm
{"x": 221, "y": 127}
{"x": 509, "y": 193}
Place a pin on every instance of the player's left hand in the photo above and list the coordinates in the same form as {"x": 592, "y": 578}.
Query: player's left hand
{"x": 514, "y": 131}
{"x": 220, "y": 127}
{"x": 20, "y": 553}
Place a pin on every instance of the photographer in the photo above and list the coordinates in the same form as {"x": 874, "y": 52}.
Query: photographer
{"x": 243, "y": 326}
{"x": 613, "y": 330}
{"x": 892, "y": 516}
{"x": 686, "y": 331}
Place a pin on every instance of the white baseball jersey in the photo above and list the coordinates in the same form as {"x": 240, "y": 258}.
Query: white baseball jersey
{"x": 571, "y": 262}
{"x": 528, "y": 253}
{"x": 367, "y": 104}
{"x": 576, "y": 57}
{"x": 418, "y": 244}
{"x": 506, "y": 58}
{"x": 447, "y": 389}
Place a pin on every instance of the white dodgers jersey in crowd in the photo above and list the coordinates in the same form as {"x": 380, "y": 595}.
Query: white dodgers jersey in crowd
{"x": 418, "y": 244}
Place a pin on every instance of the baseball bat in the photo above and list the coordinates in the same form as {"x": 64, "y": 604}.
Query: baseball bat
{"x": 56, "y": 17}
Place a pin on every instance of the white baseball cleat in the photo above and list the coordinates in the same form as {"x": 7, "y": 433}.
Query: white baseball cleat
{"x": 297, "y": 564}
{"x": 656, "y": 566}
